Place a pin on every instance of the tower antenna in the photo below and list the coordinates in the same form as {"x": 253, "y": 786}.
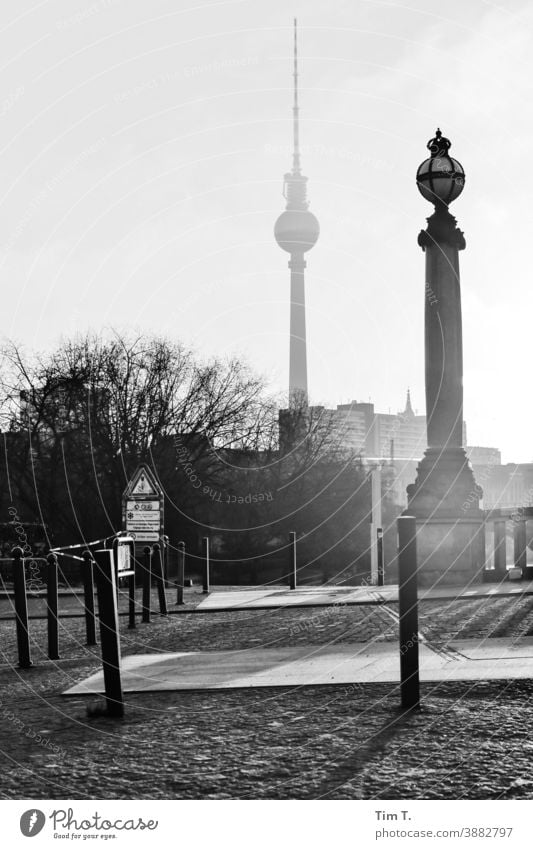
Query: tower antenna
{"x": 296, "y": 108}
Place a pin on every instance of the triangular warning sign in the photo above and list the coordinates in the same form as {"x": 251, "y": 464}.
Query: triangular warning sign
{"x": 143, "y": 482}
{"x": 143, "y": 486}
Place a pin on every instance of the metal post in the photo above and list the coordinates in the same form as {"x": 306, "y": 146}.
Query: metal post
{"x": 408, "y": 610}
{"x": 114, "y": 548}
{"x": 131, "y": 596}
{"x": 500, "y": 548}
{"x": 205, "y": 559}
{"x": 381, "y": 563}
{"x": 147, "y": 583}
{"x": 88, "y": 598}
{"x": 166, "y": 551}
{"x": 520, "y": 546}
{"x": 51, "y": 606}
{"x": 160, "y": 579}
{"x": 21, "y": 609}
{"x": 181, "y": 572}
{"x": 376, "y": 522}
{"x": 109, "y": 633}
{"x": 292, "y": 560}
{"x": 126, "y": 570}
{"x": 483, "y": 544}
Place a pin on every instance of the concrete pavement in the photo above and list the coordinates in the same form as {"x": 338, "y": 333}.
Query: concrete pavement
{"x": 266, "y": 597}
{"x": 365, "y": 663}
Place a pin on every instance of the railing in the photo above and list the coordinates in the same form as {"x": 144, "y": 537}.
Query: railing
{"x": 507, "y": 522}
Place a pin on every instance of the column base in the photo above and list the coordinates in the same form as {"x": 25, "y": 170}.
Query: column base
{"x": 450, "y": 526}
{"x": 450, "y": 553}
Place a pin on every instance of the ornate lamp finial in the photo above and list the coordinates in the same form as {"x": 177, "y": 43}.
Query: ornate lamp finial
{"x": 439, "y": 146}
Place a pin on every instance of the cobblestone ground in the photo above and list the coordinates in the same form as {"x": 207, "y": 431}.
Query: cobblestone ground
{"x": 343, "y": 742}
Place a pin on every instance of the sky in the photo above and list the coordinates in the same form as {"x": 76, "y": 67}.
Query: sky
{"x": 142, "y": 153}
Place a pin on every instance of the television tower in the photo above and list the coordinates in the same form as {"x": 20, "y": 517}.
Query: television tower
{"x": 296, "y": 231}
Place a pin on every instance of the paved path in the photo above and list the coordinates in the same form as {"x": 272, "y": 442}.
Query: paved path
{"x": 264, "y": 597}
{"x": 463, "y": 660}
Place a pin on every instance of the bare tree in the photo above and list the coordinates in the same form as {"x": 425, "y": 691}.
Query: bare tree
{"x": 83, "y": 416}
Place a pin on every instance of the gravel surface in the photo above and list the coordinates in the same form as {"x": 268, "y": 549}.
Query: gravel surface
{"x": 343, "y": 742}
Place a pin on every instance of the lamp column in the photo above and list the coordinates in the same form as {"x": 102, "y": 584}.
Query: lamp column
{"x": 445, "y": 497}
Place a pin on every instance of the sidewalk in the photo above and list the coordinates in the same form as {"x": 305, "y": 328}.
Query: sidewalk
{"x": 301, "y": 666}
{"x": 265, "y": 597}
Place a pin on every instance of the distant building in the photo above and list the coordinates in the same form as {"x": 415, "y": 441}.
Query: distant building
{"x": 358, "y": 428}
{"x": 482, "y": 456}
{"x": 510, "y": 485}
{"x": 399, "y": 440}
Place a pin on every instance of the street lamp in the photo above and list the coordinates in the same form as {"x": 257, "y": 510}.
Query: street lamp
{"x": 445, "y": 497}
{"x": 440, "y": 179}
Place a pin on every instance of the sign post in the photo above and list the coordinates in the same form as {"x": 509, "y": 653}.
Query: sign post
{"x": 124, "y": 551}
{"x": 143, "y": 508}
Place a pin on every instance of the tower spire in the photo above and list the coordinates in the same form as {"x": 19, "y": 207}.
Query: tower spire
{"x": 408, "y": 407}
{"x": 296, "y": 109}
{"x": 295, "y": 185}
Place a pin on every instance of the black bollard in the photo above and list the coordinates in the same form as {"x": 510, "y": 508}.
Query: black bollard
{"x": 109, "y": 633}
{"x": 147, "y": 583}
{"x": 292, "y": 560}
{"x": 181, "y": 572}
{"x": 166, "y": 557}
{"x": 51, "y": 606}
{"x": 160, "y": 579}
{"x": 520, "y": 546}
{"x": 88, "y": 598}
{"x": 500, "y": 549}
{"x": 21, "y": 609}
{"x": 381, "y": 563}
{"x": 408, "y": 610}
{"x": 205, "y": 563}
{"x": 131, "y": 597}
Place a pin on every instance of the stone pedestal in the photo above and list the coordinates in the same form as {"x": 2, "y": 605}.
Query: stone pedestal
{"x": 451, "y": 552}
{"x": 451, "y": 531}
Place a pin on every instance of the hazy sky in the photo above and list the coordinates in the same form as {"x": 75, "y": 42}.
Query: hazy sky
{"x": 142, "y": 150}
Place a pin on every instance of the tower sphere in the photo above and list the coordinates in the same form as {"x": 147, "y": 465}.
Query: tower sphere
{"x": 296, "y": 230}
{"x": 440, "y": 179}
